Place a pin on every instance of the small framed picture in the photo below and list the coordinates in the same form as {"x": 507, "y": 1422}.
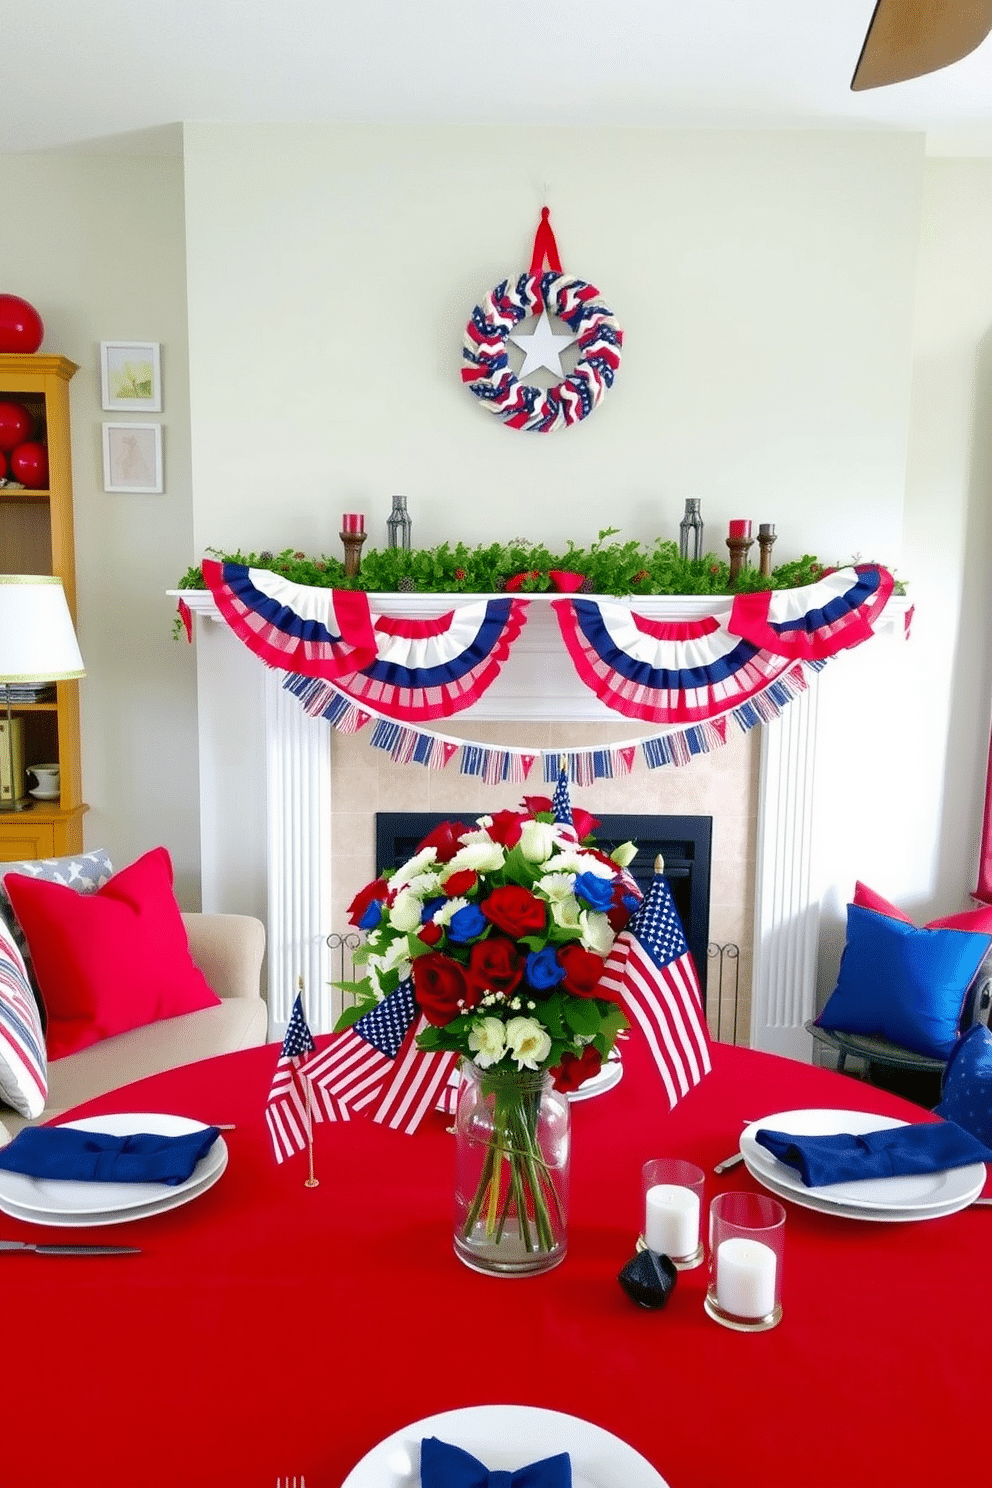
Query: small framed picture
{"x": 131, "y": 376}
{"x": 132, "y": 457}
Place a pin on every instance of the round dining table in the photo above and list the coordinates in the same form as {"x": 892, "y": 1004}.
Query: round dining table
{"x": 269, "y": 1329}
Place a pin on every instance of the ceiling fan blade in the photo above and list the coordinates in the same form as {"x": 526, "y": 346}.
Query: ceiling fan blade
{"x": 908, "y": 38}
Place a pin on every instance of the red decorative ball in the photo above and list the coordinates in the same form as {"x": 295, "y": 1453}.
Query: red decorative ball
{"x": 29, "y": 465}
{"x": 3, "y": 466}
{"x": 16, "y": 425}
{"x": 21, "y": 327}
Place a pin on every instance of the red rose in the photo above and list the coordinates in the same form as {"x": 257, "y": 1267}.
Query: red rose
{"x": 515, "y": 911}
{"x": 430, "y": 934}
{"x": 495, "y": 965}
{"x": 584, "y": 822}
{"x": 583, "y": 970}
{"x": 575, "y": 1069}
{"x": 447, "y": 838}
{"x": 440, "y": 988}
{"x": 506, "y": 828}
{"x": 537, "y": 804}
{"x": 365, "y": 897}
{"x": 461, "y": 883}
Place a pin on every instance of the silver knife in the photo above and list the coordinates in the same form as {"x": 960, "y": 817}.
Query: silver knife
{"x": 70, "y": 1249}
{"x": 729, "y": 1162}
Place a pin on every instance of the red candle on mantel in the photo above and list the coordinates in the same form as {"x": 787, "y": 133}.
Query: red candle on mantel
{"x": 353, "y": 522}
{"x": 740, "y": 529}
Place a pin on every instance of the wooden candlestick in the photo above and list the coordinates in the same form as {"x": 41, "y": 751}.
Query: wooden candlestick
{"x": 352, "y": 552}
{"x": 738, "y": 554}
{"x": 766, "y": 541}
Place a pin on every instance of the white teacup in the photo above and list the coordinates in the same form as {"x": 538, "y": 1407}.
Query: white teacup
{"x": 47, "y": 777}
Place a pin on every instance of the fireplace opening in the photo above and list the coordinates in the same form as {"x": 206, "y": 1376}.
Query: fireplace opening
{"x": 685, "y": 843}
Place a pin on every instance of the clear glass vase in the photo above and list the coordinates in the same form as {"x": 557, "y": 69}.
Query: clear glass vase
{"x": 512, "y": 1149}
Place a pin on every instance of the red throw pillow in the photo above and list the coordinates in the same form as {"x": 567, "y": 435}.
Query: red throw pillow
{"x": 978, "y": 921}
{"x": 109, "y": 961}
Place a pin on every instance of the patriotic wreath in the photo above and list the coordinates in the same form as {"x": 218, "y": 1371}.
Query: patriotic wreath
{"x": 490, "y": 377}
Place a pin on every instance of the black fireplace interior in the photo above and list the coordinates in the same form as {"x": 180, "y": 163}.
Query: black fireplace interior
{"x": 684, "y": 842}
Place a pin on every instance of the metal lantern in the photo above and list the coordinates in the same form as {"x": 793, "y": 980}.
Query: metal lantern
{"x": 399, "y": 524}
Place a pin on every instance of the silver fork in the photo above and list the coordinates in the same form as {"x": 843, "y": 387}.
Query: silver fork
{"x": 293, "y": 1482}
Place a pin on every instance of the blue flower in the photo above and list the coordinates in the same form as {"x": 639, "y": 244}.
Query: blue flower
{"x": 544, "y": 970}
{"x": 430, "y": 909}
{"x": 467, "y": 924}
{"x": 372, "y": 916}
{"x": 597, "y": 892}
{"x": 630, "y": 902}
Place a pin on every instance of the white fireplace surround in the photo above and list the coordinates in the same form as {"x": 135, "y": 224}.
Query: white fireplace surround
{"x": 265, "y": 789}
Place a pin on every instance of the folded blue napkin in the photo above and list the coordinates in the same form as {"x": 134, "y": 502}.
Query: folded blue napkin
{"x": 844, "y": 1157}
{"x": 142, "y": 1157}
{"x": 445, "y": 1466}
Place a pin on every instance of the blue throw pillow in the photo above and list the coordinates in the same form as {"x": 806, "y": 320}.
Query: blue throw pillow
{"x": 966, "y": 1094}
{"x": 904, "y": 984}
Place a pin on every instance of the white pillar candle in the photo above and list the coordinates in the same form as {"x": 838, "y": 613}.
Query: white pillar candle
{"x": 671, "y": 1220}
{"x": 745, "y": 1277}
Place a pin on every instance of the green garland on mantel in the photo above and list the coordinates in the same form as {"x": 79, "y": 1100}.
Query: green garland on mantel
{"x": 620, "y": 569}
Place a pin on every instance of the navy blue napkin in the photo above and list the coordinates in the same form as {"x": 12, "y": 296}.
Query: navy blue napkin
{"x": 445, "y": 1466}
{"x": 141, "y": 1157}
{"x": 843, "y": 1157}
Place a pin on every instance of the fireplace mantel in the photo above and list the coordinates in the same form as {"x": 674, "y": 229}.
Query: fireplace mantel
{"x": 291, "y": 754}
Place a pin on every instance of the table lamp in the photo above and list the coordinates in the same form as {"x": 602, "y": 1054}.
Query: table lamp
{"x": 37, "y": 644}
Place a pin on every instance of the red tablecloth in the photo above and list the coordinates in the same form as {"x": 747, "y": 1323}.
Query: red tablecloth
{"x": 268, "y": 1328}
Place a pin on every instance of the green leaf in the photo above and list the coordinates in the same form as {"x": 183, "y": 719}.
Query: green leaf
{"x": 583, "y": 1016}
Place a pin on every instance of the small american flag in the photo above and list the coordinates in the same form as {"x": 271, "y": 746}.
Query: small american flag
{"x": 375, "y": 1069}
{"x": 561, "y": 805}
{"x": 651, "y": 969}
{"x": 288, "y": 1110}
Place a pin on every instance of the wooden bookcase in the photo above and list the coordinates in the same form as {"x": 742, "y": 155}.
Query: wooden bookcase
{"x": 36, "y": 536}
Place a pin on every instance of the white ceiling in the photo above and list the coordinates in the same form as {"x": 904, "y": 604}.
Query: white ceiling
{"x": 113, "y": 74}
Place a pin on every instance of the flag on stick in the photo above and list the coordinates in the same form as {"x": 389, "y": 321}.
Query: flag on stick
{"x": 288, "y": 1110}
{"x": 561, "y": 805}
{"x": 650, "y": 969}
{"x": 375, "y": 1069}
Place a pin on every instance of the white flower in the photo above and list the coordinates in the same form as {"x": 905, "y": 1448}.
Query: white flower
{"x": 624, "y": 855}
{"x": 528, "y": 1041}
{"x": 443, "y": 915}
{"x": 487, "y": 1040}
{"x": 597, "y": 932}
{"x": 427, "y": 885}
{"x": 581, "y": 862}
{"x": 483, "y": 857}
{"x": 404, "y": 914}
{"x": 481, "y": 834}
{"x": 397, "y": 956}
{"x": 537, "y": 841}
{"x": 556, "y": 887}
{"x": 412, "y": 867}
{"x": 566, "y": 913}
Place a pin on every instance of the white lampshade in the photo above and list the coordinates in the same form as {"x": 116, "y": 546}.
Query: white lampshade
{"x": 37, "y": 641}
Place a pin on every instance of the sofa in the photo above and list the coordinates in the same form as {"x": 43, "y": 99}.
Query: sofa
{"x": 228, "y": 949}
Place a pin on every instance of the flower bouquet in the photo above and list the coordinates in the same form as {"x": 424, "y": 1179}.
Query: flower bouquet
{"x": 502, "y": 930}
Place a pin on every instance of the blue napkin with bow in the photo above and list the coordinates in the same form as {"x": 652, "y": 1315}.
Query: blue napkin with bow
{"x": 445, "y": 1466}
{"x": 930, "y": 1147}
{"x": 141, "y": 1157}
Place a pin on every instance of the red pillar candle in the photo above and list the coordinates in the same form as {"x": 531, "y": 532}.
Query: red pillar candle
{"x": 353, "y": 522}
{"x": 740, "y": 529}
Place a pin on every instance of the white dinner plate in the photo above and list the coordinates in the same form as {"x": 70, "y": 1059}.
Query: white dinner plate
{"x": 67, "y": 1201}
{"x": 507, "y": 1437}
{"x": 945, "y": 1191}
{"x": 808, "y": 1200}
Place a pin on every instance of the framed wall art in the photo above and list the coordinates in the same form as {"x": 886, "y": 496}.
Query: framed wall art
{"x": 132, "y": 457}
{"x": 131, "y": 376}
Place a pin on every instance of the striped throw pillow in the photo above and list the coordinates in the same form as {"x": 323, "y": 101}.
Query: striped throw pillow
{"x": 23, "y": 1067}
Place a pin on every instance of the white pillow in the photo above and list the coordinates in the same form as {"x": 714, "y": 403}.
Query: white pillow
{"x": 23, "y": 1066}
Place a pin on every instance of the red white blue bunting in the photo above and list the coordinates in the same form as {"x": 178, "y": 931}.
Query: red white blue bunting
{"x": 318, "y": 632}
{"x": 691, "y": 673}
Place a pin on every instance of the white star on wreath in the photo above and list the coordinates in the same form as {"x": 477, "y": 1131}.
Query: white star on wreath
{"x": 487, "y": 369}
{"x": 542, "y": 348}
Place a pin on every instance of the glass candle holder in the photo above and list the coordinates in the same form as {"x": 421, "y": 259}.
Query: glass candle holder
{"x": 673, "y": 1192}
{"x": 747, "y": 1248}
